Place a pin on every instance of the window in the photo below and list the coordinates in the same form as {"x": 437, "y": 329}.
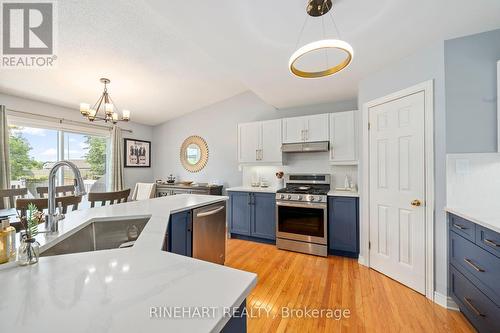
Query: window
{"x": 33, "y": 152}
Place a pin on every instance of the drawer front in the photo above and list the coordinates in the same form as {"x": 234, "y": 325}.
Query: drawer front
{"x": 488, "y": 240}
{"x": 462, "y": 227}
{"x": 480, "y": 266}
{"x": 478, "y": 308}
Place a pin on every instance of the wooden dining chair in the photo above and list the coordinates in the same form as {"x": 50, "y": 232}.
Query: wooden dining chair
{"x": 11, "y": 194}
{"x": 61, "y": 191}
{"x": 43, "y": 203}
{"x": 108, "y": 197}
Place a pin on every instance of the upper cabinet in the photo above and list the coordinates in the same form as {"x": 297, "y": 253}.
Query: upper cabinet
{"x": 343, "y": 143}
{"x": 306, "y": 129}
{"x": 260, "y": 142}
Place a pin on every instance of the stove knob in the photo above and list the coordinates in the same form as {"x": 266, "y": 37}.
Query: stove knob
{"x": 282, "y": 196}
{"x": 319, "y": 199}
{"x": 299, "y": 197}
{"x": 311, "y": 199}
{"x": 289, "y": 197}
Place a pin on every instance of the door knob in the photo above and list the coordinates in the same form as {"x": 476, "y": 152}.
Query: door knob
{"x": 416, "y": 203}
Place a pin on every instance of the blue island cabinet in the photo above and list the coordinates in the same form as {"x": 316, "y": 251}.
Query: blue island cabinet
{"x": 343, "y": 226}
{"x": 252, "y": 216}
{"x": 180, "y": 233}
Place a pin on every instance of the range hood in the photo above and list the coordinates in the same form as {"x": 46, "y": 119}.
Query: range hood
{"x": 305, "y": 147}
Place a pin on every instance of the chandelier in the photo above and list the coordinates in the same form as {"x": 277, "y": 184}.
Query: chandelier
{"x": 317, "y": 8}
{"x": 105, "y": 101}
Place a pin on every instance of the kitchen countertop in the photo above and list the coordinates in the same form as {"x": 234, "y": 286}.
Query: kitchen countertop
{"x": 253, "y": 189}
{"x": 487, "y": 218}
{"x": 114, "y": 290}
{"x": 334, "y": 193}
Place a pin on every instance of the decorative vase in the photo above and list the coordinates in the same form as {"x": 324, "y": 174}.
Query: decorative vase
{"x": 28, "y": 252}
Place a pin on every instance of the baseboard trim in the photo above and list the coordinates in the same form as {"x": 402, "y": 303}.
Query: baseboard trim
{"x": 362, "y": 261}
{"x": 445, "y": 301}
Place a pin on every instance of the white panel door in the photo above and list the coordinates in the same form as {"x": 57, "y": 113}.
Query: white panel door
{"x": 343, "y": 136}
{"x": 248, "y": 142}
{"x": 317, "y": 128}
{"x": 271, "y": 141}
{"x": 397, "y": 176}
{"x": 294, "y": 129}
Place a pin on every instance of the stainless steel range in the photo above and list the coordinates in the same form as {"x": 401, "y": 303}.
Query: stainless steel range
{"x": 301, "y": 214}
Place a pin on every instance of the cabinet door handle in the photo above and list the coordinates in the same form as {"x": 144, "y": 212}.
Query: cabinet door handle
{"x": 256, "y": 154}
{"x": 491, "y": 243}
{"x": 307, "y": 134}
{"x": 468, "y": 261}
{"x": 473, "y": 308}
{"x": 458, "y": 226}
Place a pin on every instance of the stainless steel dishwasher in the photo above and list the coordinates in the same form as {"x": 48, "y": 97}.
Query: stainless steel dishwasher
{"x": 209, "y": 233}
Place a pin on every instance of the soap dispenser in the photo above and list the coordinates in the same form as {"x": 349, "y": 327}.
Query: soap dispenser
{"x": 11, "y": 231}
{"x": 4, "y": 243}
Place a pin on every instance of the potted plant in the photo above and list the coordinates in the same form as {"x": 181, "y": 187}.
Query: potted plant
{"x": 29, "y": 249}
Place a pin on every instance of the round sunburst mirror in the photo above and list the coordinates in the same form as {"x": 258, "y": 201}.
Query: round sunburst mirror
{"x": 194, "y": 153}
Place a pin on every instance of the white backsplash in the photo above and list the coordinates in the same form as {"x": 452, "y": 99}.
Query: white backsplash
{"x": 301, "y": 163}
{"x": 473, "y": 181}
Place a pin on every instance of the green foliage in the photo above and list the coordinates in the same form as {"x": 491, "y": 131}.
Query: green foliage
{"x": 32, "y": 218}
{"x": 21, "y": 163}
{"x": 96, "y": 155}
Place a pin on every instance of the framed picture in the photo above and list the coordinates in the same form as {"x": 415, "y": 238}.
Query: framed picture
{"x": 137, "y": 153}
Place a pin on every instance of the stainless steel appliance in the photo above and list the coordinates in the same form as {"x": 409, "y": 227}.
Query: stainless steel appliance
{"x": 301, "y": 214}
{"x": 305, "y": 147}
{"x": 209, "y": 233}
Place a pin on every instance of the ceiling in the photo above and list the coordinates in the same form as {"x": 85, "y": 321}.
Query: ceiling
{"x": 168, "y": 58}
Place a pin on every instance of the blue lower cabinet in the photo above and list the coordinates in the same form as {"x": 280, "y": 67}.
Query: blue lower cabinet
{"x": 180, "y": 234}
{"x": 476, "y": 306}
{"x": 474, "y": 272}
{"x": 264, "y": 221}
{"x": 240, "y": 211}
{"x": 252, "y": 216}
{"x": 343, "y": 226}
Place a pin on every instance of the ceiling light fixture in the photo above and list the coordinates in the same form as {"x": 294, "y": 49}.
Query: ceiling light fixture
{"x": 317, "y": 8}
{"x": 110, "y": 115}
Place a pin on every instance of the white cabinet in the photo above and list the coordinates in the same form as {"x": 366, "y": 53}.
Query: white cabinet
{"x": 260, "y": 142}
{"x": 271, "y": 141}
{"x": 248, "y": 142}
{"x": 317, "y": 128}
{"x": 343, "y": 143}
{"x": 305, "y": 129}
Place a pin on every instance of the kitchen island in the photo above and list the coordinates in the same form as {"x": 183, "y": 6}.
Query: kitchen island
{"x": 141, "y": 288}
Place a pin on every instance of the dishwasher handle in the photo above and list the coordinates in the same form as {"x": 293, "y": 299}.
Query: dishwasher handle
{"x": 210, "y": 212}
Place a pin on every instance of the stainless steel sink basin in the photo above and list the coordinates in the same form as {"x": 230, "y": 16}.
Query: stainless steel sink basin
{"x": 102, "y": 235}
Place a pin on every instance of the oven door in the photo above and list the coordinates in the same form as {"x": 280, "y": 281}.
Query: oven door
{"x": 302, "y": 221}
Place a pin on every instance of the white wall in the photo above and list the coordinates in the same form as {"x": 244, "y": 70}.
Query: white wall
{"x": 139, "y": 131}
{"x": 217, "y": 124}
{"x": 428, "y": 64}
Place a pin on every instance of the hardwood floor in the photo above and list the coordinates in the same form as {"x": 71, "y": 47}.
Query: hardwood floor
{"x": 297, "y": 281}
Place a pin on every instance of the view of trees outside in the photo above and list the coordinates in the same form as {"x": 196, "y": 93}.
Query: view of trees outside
{"x": 33, "y": 152}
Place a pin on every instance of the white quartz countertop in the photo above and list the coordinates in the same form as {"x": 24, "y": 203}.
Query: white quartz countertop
{"x": 252, "y": 189}
{"x": 334, "y": 193}
{"x": 117, "y": 290}
{"x": 488, "y": 218}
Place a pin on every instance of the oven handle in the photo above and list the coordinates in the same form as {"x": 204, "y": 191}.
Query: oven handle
{"x": 301, "y": 204}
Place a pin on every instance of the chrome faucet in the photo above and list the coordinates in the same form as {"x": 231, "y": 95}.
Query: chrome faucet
{"x": 52, "y": 217}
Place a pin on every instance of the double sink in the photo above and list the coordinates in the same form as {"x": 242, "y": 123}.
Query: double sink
{"x": 100, "y": 235}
